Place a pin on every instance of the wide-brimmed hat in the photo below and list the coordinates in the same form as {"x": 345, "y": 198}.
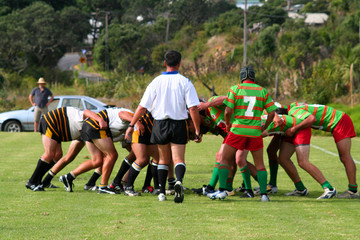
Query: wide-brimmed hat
{"x": 41, "y": 81}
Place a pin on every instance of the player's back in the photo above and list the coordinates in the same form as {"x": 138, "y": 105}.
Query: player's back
{"x": 249, "y": 100}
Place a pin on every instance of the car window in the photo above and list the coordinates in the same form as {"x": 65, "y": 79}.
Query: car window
{"x": 54, "y": 104}
{"x": 73, "y": 102}
{"x": 90, "y": 106}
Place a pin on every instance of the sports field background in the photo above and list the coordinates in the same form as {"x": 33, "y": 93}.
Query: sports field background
{"x": 56, "y": 214}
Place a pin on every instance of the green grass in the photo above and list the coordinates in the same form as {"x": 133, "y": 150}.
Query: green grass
{"x": 56, "y": 214}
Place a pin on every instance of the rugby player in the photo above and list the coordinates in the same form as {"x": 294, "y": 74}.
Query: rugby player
{"x": 340, "y": 125}
{"x": 246, "y": 101}
{"x": 100, "y": 144}
{"x": 60, "y": 125}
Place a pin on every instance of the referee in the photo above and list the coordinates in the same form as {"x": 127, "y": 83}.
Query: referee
{"x": 167, "y": 97}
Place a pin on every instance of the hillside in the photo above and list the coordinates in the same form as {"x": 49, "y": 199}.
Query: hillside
{"x": 315, "y": 63}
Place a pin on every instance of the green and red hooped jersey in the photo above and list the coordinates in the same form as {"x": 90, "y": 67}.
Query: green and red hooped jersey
{"x": 289, "y": 122}
{"x": 326, "y": 117}
{"x": 248, "y": 101}
{"x": 215, "y": 116}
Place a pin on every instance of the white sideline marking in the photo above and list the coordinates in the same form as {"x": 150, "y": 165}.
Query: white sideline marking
{"x": 328, "y": 152}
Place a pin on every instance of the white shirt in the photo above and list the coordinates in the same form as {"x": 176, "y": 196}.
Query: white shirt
{"x": 76, "y": 120}
{"x": 117, "y": 125}
{"x": 168, "y": 95}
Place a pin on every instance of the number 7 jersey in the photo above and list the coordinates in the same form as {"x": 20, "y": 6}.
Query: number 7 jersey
{"x": 248, "y": 101}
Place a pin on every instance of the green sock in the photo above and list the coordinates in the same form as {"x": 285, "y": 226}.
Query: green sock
{"x": 223, "y": 176}
{"x": 300, "y": 186}
{"x": 229, "y": 184}
{"x": 353, "y": 188}
{"x": 245, "y": 172}
{"x": 262, "y": 179}
{"x": 274, "y": 166}
{"x": 328, "y": 185}
{"x": 215, "y": 175}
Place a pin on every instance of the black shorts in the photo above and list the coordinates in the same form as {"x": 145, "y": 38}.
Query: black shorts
{"x": 89, "y": 132}
{"x": 170, "y": 131}
{"x": 143, "y": 139}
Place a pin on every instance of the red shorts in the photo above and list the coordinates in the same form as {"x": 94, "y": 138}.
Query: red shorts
{"x": 302, "y": 137}
{"x": 344, "y": 129}
{"x": 241, "y": 143}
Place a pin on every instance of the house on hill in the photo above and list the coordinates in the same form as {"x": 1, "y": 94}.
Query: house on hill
{"x": 316, "y": 19}
{"x": 313, "y": 19}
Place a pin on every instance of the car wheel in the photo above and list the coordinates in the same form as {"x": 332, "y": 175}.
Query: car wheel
{"x": 12, "y": 126}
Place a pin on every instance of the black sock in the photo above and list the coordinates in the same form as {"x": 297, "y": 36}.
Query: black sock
{"x": 180, "y": 169}
{"x": 154, "y": 174}
{"x": 171, "y": 181}
{"x": 123, "y": 169}
{"x": 209, "y": 187}
{"x": 48, "y": 178}
{"x": 70, "y": 176}
{"x": 147, "y": 181}
{"x": 94, "y": 178}
{"x": 40, "y": 170}
{"x": 45, "y": 170}
{"x": 162, "y": 176}
{"x": 133, "y": 173}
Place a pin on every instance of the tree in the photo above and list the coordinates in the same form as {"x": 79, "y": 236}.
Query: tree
{"x": 124, "y": 45}
{"x": 38, "y": 36}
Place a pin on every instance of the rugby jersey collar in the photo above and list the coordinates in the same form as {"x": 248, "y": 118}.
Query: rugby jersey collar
{"x": 166, "y": 73}
{"x": 248, "y": 81}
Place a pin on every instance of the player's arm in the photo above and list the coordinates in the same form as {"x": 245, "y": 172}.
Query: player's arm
{"x": 127, "y": 116}
{"x": 138, "y": 113}
{"x": 277, "y": 120}
{"x": 227, "y": 115}
{"x": 268, "y": 120}
{"x": 308, "y": 122}
{"x": 215, "y": 102}
{"x": 195, "y": 116}
{"x": 90, "y": 114}
{"x": 265, "y": 133}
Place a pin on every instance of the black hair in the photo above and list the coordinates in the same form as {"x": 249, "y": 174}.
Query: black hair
{"x": 281, "y": 111}
{"x": 204, "y": 129}
{"x": 172, "y": 58}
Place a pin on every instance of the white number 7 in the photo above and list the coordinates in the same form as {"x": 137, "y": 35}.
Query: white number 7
{"x": 249, "y": 111}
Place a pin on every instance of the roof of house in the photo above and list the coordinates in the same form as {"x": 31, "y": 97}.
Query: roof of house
{"x": 310, "y": 18}
{"x": 316, "y": 18}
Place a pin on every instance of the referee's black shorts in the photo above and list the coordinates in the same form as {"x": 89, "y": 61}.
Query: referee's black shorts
{"x": 170, "y": 131}
{"x": 89, "y": 132}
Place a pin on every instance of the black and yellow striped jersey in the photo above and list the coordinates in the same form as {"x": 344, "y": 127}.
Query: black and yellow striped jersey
{"x": 62, "y": 124}
{"x": 147, "y": 120}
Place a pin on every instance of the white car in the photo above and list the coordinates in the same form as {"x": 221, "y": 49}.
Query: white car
{"x": 23, "y": 120}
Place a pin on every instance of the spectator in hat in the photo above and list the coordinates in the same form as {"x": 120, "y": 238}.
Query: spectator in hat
{"x": 39, "y": 98}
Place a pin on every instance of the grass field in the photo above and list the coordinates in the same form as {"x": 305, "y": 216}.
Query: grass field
{"x": 56, "y": 214}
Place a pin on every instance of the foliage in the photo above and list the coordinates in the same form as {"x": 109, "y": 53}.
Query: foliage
{"x": 267, "y": 14}
{"x": 198, "y": 11}
{"x": 323, "y": 84}
{"x": 5, "y": 103}
{"x": 224, "y": 22}
{"x": 316, "y": 7}
{"x": 35, "y": 34}
{"x": 265, "y": 43}
{"x": 39, "y": 36}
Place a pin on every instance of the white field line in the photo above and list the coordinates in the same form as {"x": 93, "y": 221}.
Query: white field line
{"x": 328, "y": 152}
